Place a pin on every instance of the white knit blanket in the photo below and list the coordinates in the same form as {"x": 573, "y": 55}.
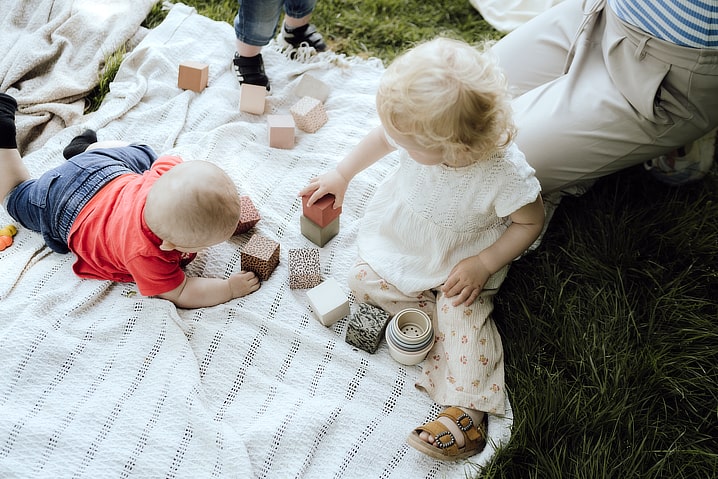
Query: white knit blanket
{"x": 98, "y": 381}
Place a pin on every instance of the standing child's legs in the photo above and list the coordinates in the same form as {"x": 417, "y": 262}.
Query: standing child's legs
{"x": 12, "y": 169}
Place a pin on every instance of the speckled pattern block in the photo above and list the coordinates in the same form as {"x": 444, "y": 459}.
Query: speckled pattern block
{"x": 366, "y": 327}
{"x": 261, "y": 256}
{"x": 309, "y": 114}
{"x": 304, "y": 269}
{"x": 248, "y": 217}
{"x": 328, "y": 301}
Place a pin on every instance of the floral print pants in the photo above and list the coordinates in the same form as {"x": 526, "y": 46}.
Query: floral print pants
{"x": 465, "y": 367}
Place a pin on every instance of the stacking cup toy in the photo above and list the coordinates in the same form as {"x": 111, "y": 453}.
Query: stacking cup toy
{"x": 410, "y": 336}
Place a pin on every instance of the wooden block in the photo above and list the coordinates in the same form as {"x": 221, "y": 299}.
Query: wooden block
{"x": 315, "y": 233}
{"x": 366, "y": 327}
{"x": 252, "y": 98}
{"x": 313, "y": 87}
{"x": 261, "y": 256}
{"x": 193, "y": 76}
{"x": 309, "y": 114}
{"x": 328, "y": 301}
{"x": 304, "y": 270}
{"x": 322, "y": 212}
{"x": 248, "y": 216}
{"x": 280, "y": 130}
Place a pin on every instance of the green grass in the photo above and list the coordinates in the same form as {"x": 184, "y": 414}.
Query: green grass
{"x": 611, "y": 327}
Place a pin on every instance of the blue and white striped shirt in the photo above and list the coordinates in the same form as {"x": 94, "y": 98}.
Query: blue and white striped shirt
{"x": 690, "y": 23}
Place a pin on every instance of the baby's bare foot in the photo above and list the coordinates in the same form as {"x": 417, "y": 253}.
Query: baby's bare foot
{"x": 241, "y": 284}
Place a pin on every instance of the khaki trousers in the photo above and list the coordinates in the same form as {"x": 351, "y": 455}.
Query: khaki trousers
{"x": 594, "y": 95}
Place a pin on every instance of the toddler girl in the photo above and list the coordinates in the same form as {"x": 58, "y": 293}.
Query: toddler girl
{"x": 441, "y": 230}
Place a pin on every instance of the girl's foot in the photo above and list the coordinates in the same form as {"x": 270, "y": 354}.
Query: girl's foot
{"x": 454, "y": 435}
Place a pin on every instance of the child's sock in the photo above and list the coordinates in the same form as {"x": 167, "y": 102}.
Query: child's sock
{"x": 8, "y": 106}
{"x": 79, "y": 144}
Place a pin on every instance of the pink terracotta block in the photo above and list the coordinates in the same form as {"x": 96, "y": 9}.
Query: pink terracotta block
{"x": 252, "y": 98}
{"x": 193, "y": 76}
{"x": 309, "y": 114}
{"x": 248, "y": 217}
{"x": 280, "y": 129}
{"x": 322, "y": 212}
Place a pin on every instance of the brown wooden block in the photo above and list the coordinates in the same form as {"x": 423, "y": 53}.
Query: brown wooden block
{"x": 309, "y": 114}
{"x": 280, "y": 130}
{"x": 193, "y": 76}
{"x": 304, "y": 270}
{"x": 322, "y": 212}
{"x": 252, "y": 98}
{"x": 248, "y": 216}
{"x": 261, "y": 256}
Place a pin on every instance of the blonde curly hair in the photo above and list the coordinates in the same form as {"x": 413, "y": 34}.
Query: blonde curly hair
{"x": 448, "y": 95}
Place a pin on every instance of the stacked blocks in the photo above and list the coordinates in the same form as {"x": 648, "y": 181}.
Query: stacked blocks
{"x": 310, "y": 86}
{"x": 320, "y": 222}
{"x": 328, "y": 302}
{"x": 280, "y": 129}
{"x": 366, "y": 327}
{"x": 309, "y": 114}
{"x": 261, "y": 256}
{"x": 193, "y": 76}
{"x": 252, "y": 98}
{"x": 248, "y": 217}
{"x": 304, "y": 271}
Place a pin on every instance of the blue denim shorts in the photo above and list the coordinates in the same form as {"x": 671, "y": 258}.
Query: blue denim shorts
{"x": 50, "y": 204}
{"x": 256, "y": 22}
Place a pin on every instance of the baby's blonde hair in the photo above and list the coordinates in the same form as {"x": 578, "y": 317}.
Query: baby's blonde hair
{"x": 194, "y": 203}
{"x": 448, "y": 95}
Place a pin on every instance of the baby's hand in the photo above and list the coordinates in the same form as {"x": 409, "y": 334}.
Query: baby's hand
{"x": 331, "y": 182}
{"x": 243, "y": 283}
{"x": 466, "y": 281}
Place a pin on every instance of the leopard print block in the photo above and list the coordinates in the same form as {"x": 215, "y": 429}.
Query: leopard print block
{"x": 248, "y": 216}
{"x": 366, "y": 327}
{"x": 304, "y": 268}
{"x": 261, "y": 256}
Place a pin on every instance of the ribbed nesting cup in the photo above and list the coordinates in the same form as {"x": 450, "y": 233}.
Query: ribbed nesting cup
{"x": 410, "y": 336}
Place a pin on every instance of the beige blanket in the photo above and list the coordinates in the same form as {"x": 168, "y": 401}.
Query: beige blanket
{"x": 98, "y": 381}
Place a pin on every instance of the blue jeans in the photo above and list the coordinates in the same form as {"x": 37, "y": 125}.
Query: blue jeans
{"x": 257, "y": 20}
{"x": 50, "y": 204}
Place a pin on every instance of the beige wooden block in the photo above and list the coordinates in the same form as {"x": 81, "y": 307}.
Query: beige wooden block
{"x": 252, "y": 98}
{"x": 329, "y": 302}
{"x": 280, "y": 130}
{"x": 309, "y": 114}
{"x": 313, "y": 87}
{"x": 193, "y": 76}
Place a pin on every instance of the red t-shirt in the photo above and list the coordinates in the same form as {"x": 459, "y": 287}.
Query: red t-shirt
{"x": 112, "y": 240}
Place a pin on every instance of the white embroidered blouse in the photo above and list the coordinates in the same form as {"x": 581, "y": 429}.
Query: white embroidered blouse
{"x": 423, "y": 220}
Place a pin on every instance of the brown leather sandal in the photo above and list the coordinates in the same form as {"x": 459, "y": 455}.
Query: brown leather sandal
{"x": 445, "y": 446}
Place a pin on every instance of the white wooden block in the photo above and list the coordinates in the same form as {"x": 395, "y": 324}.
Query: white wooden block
{"x": 328, "y": 301}
{"x": 313, "y": 87}
{"x": 252, "y": 98}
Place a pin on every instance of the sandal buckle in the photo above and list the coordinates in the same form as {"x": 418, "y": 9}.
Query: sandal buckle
{"x": 461, "y": 419}
{"x": 439, "y": 442}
